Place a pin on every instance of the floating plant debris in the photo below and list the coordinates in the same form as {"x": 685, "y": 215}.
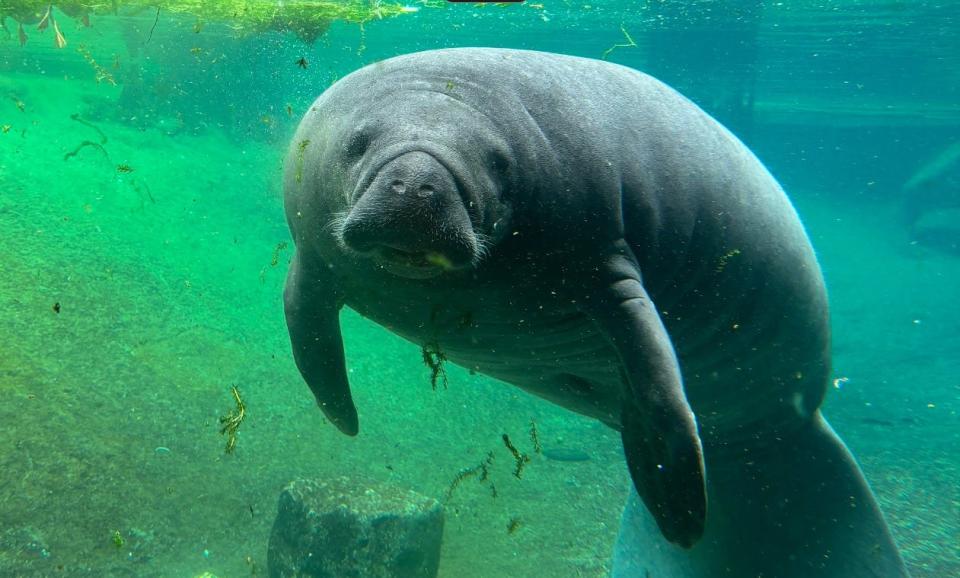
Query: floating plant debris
{"x": 628, "y": 44}
{"x": 434, "y": 359}
{"x": 521, "y": 459}
{"x": 231, "y": 421}
{"x": 482, "y": 470}
{"x": 84, "y": 145}
{"x": 103, "y": 75}
{"x": 722, "y": 262}
{"x": 78, "y": 118}
{"x": 535, "y": 438}
{"x": 301, "y": 150}
{"x": 280, "y": 248}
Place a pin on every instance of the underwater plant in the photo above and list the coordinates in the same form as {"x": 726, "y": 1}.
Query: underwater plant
{"x": 519, "y": 458}
{"x": 482, "y": 470}
{"x": 308, "y": 19}
{"x": 231, "y": 421}
{"x": 434, "y": 359}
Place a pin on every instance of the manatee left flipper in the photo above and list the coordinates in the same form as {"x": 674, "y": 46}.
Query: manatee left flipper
{"x": 312, "y": 309}
{"x": 658, "y": 428}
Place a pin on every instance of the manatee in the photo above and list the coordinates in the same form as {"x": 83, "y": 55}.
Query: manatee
{"x": 582, "y": 231}
{"x": 934, "y": 188}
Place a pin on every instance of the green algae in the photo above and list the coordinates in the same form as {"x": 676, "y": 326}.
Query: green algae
{"x": 308, "y": 19}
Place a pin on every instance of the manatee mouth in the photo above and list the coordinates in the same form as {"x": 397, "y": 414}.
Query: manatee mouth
{"x": 411, "y": 264}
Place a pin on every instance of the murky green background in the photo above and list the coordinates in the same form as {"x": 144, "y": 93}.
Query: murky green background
{"x": 142, "y": 256}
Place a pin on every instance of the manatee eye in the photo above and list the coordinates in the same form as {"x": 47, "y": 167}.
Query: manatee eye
{"x": 357, "y": 144}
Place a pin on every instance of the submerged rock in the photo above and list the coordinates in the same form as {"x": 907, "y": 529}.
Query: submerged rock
{"x": 343, "y": 529}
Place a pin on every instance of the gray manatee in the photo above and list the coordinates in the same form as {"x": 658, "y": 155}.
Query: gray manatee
{"x": 935, "y": 186}
{"x": 582, "y": 231}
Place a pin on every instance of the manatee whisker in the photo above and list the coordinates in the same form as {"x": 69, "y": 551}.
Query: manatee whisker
{"x": 336, "y": 225}
{"x": 483, "y": 245}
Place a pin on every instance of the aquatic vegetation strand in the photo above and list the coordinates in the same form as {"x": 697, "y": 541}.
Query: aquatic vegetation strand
{"x": 535, "y": 438}
{"x": 482, "y": 469}
{"x": 434, "y": 359}
{"x": 629, "y": 44}
{"x": 521, "y": 459}
{"x": 102, "y": 73}
{"x": 232, "y": 420}
{"x": 308, "y": 19}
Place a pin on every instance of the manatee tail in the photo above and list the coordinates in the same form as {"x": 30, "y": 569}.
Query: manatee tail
{"x": 797, "y": 509}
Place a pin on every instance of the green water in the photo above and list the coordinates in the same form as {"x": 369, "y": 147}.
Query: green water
{"x": 141, "y": 278}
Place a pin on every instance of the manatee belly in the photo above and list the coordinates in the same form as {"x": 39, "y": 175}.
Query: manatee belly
{"x": 526, "y": 337}
{"x": 738, "y": 371}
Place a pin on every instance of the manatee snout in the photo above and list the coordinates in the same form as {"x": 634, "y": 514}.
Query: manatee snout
{"x": 412, "y": 219}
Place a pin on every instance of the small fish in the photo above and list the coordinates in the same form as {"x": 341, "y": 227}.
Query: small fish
{"x": 21, "y": 35}
{"x": 289, "y": 110}
{"x": 302, "y": 63}
{"x": 565, "y": 455}
{"x": 877, "y": 421}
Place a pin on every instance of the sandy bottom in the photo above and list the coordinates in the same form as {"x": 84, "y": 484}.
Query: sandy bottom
{"x": 168, "y": 280}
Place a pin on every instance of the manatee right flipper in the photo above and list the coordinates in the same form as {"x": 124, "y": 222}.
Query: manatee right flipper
{"x": 312, "y": 310}
{"x": 658, "y": 428}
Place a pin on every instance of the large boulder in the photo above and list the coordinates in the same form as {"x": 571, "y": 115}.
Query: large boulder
{"x": 343, "y": 529}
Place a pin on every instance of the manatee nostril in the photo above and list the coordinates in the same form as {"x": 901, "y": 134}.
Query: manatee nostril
{"x": 425, "y": 191}
{"x": 398, "y": 187}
